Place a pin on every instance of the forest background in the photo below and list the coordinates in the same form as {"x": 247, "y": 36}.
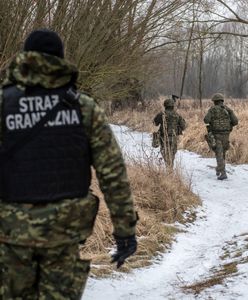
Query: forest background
{"x": 135, "y": 50}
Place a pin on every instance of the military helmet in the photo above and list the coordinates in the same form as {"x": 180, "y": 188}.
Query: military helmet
{"x": 218, "y": 97}
{"x": 169, "y": 103}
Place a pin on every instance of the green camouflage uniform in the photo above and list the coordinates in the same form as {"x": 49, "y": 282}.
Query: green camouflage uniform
{"x": 171, "y": 125}
{"x": 39, "y": 243}
{"x": 221, "y": 120}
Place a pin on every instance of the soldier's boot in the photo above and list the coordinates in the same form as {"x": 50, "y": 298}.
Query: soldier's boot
{"x": 217, "y": 172}
{"x": 222, "y": 176}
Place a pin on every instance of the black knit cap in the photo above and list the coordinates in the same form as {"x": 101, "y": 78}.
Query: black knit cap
{"x": 45, "y": 41}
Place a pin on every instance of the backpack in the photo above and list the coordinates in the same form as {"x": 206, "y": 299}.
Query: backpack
{"x": 171, "y": 122}
{"x": 220, "y": 119}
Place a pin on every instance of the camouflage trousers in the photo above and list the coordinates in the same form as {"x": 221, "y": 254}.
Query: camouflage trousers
{"x": 222, "y": 145}
{"x": 168, "y": 150}
{"x": 42, "y": 273}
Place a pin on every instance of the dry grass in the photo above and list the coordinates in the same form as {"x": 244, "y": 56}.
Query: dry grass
{"x": 234, "y": 254}
{"x": 217, "y": 278}
{"x": 193, "y": 137}
{"x": 160, "y": 199}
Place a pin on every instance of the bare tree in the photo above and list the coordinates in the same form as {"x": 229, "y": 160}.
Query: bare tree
{"x": 125, "y": 48}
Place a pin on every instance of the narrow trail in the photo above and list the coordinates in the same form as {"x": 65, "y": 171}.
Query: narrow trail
{"x": 218, "y": 238}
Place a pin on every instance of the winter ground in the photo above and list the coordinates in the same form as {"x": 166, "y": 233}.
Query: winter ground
{"x": 216, "y": 241}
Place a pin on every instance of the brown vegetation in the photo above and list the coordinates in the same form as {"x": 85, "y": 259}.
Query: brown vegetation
{"x": 161, "y": 199}
{"x": 218, "y": 277}
{"x": 193, "y": 137}
{"x": 163, "y": 46}
{"x": 107, "y": 40}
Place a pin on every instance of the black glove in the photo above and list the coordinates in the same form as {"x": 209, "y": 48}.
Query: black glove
{"x": 125, "y": 248}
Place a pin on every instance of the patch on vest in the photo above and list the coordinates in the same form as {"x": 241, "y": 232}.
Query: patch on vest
{"x": 32, "y": 109}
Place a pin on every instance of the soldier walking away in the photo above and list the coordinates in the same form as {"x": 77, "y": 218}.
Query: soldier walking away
{"x": 220, "y": 121}
{"x": 171, "y": 125}
{"x": 51, "y": 135}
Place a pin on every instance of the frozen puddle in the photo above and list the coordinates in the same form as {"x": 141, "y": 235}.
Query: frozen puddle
{"x": 217, "y": 238}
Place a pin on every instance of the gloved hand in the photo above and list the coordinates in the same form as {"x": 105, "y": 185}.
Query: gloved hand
{"x": 125, "y": 248}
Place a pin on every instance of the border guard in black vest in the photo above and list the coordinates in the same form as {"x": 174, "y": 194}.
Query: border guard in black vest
{"x": 51, "y": 135}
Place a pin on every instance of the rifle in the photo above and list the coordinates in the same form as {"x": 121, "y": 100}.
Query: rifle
{"x": 175, "y": 97}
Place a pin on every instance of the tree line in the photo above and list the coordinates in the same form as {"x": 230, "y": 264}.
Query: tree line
{"x": 138, "y": 49}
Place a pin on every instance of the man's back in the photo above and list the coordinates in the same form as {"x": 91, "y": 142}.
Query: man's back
{"x": 171, "y": 123}
{"x": 95, "y": 129}
{"x": 221, "y": 118}
{"x": 39, "y": 235}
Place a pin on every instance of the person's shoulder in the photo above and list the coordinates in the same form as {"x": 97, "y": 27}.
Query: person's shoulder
{"x": 158, "y": 119}
{"x": 88, "y": 103}
{"x": 228, "y": 108}
{"x": 176, "y": 115}
{"x": 160, "y": 114}
{"x": 89, "y": 109}
{"x": 92, "y": 112}
{"x": 213, "y": 108}
{"x": 86, "y": 99}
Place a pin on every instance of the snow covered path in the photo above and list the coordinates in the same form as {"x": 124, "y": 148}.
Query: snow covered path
{"x": 221, "y": 230}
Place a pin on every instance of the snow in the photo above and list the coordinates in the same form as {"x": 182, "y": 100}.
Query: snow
{"x": 221, "y": 228}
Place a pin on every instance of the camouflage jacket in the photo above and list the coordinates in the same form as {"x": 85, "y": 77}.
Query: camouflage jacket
{"x": 170, "y": 122}
{"x": 220, "y": 119}
{"x": 70, "y": 220}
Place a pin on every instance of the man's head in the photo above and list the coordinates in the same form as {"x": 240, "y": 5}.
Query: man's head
{"x": 218, "y": 98}
{"x": 44, "y": 41}
{"x": 169, "y": 103}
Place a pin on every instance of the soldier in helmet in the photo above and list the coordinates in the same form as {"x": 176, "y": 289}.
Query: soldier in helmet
{"x": 171, "y": 125}
{"x": 221, "y": 120}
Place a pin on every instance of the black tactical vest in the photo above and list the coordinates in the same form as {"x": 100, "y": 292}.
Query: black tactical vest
{"x": 54, "y": 164}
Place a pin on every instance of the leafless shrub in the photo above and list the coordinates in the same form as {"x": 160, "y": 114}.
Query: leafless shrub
{"x": 107, "y": 40}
